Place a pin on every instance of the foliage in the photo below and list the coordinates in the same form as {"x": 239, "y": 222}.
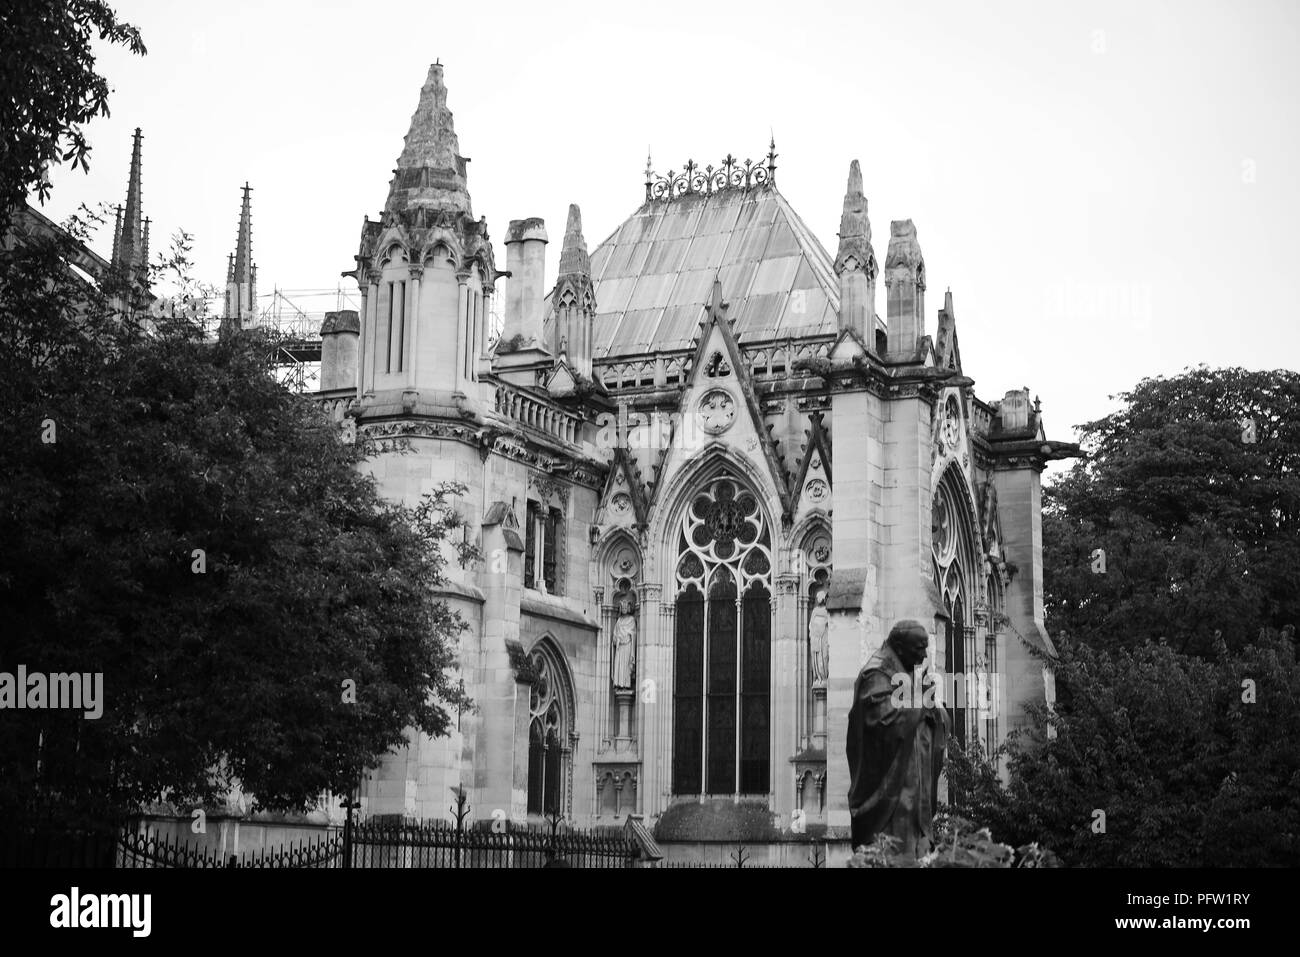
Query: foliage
{"x": 1200, "y": 526}
{"x": 49, "y": 88}
{"x": 1190, "y": 765}
{"x": 957, "y": 843}
{"x": 176, "y": 520}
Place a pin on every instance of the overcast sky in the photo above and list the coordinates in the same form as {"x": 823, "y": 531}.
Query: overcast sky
{"x": 1110, "y": 189}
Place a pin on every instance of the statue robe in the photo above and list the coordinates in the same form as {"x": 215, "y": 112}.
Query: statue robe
{"x": 895, "y": 757}
{"x": 624, "y": 658}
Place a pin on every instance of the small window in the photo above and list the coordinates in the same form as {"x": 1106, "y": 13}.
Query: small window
{"x": 530, "y": 546}
{"x": 550, "y": 548}
{"x": 543, "y": 552}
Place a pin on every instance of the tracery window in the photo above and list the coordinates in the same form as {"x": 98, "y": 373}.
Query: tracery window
{"x": 547, "y": 726}
{"x": 953, "y": 553}
{"x": 722, "y": 663}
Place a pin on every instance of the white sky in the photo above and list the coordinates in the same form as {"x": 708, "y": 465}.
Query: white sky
{"x": 1110, "y": 190}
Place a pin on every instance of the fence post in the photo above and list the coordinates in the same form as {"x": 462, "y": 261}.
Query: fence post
{"x": 461, "y": 810}
{"x": 349, "y": 803}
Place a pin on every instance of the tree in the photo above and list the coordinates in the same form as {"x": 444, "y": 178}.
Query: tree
{"x": 1192, "y": 492}
{"x": 180, "y": 523}
{"x": 1159, "y": 759}
{"x": 49, "y": 88}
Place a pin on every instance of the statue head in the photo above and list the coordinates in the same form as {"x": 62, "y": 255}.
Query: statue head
{"x": 625, "y": 605}
{"x": 909, "y": 639}
{"x": 820, "y": 597}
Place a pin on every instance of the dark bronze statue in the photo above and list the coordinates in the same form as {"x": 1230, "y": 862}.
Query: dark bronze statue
{"x": 895, "y": 753}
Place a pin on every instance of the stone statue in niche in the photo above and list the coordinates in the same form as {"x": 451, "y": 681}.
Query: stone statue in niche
{"x": 624, "y": 645}
{"x": 818, "y": 640}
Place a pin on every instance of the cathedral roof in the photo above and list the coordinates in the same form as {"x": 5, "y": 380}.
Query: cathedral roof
{"x": 653, "y": 276}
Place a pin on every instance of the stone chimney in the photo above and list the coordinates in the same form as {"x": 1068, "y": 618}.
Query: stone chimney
{"x": 905, "y": 282}
{"x": 340, "y": 335}
{"x": 526, "y": 262}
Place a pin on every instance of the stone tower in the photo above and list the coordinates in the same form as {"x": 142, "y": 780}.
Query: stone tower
{"x": 426, "y": 274}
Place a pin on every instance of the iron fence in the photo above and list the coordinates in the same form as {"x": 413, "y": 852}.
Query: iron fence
{"x": 444, "y": 844}
{"x": 367, "y": 844}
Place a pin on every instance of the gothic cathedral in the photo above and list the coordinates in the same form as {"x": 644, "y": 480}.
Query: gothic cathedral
{"x": 705, "y": 476}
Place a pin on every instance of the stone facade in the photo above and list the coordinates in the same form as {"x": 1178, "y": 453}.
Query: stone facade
{"x": 706, "y": 412}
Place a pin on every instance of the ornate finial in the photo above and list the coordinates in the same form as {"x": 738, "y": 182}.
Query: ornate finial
{"x": 731, "y": 174}
{"x": 716, "y": 308}
{"x": 771, "y": 155}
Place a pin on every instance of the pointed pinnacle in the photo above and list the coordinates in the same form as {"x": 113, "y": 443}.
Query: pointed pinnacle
{"x": 855, "y": 180}
{"x": 243, "y": 260}
{"x": 127, "y": 251}
{"x": 573, "y": 254}
{"x": 431, "y": 145}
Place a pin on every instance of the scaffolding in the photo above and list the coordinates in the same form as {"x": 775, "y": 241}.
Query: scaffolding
{"x": 296, "y": 315}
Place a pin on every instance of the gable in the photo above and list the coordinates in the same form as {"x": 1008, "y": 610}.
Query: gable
{"x": 718, "y": 408}
{"x": 623, "y": 501}
{"x": 812, "y": 484}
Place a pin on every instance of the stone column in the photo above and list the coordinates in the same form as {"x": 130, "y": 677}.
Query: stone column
{"x": 362, "y": 351}
{"x": 464, "y": 348}
{"x": 604, "y": 732}
{"x": 413, "y": 326}
{"x": 372, "y": 331}
{"x": 654, "y": 701}
{"x": 481, "y": 359}
{"x": 785, "y": 689}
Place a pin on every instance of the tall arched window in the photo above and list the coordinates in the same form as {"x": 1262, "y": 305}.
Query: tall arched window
{"x": 548, "y": 724}
{"x": 722, "y": 663}
{"x": 954, "y": 564}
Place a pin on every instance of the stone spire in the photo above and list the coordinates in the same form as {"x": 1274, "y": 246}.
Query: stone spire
{"x": 131, "y": 239}
{"x": 905, "y": 281}
{"x": 573, "y": 255}
{"x": 855, "y": 262}
{"x": 573, "y": 301}
{"x": 430, "y": 172}
{"x": 241, "y": 272}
